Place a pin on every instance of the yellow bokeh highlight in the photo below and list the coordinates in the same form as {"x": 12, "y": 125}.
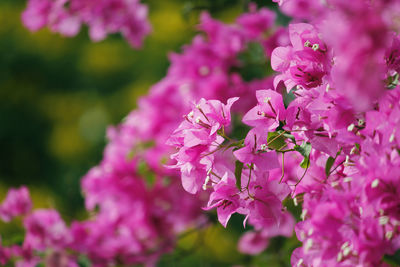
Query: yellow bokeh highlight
{"x": 103, "y": 57}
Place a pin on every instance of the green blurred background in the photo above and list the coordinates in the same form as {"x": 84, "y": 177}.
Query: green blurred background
{"x": 57, "y": 96}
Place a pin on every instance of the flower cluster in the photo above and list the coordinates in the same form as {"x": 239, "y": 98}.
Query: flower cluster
{"x": 358, "y": 34}
{"x": 196, "y": 139}
{"x": 204, "y": 159}
{"x": 17, "y": 203}
{"x": 142, "y": 208}
{"x": 137, "y": 206}
{"x": 325, "y": 136}
{"x": 128, "y": 17}
{"x": 335, "y": 125}
{"x": 305, "y": 62}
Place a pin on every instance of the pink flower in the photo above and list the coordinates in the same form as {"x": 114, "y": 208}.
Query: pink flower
{"x": 305, "y": 63}
{"x": 268, "y": 112}
{"x": 17, "y": 203}
{"x": 255, "y": 242}
{"x": 255, "y": 150}
{"x": 256, "y": 22}
{"x": 5, "y": 254}
{"x": 129, "y": 17}
{"x": 392, "y": 55}
{"x": 45, "y": 228}
{"x": 197, "y": 137}
{"x": 225, "y": 198}
{"x": 252, "y": 243}
{"x": 266, "y": 209}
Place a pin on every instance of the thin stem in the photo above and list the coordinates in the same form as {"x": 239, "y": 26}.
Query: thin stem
{"x": 287, "y": 150}
{"x": 283, "y": 167}
{"x": 216, "y": 175}
{"x": 301, "y": 178}
{"x": 222, "y": 133}
{"x": 213, "y": 151}
{"x": 248, "y": 182}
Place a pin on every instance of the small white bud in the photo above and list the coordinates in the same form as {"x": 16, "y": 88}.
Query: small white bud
{"x": 389, "y": 235}
{"x": 383, "y": 220}
{"x": 315, "y": 47}
{"x": 392, "y": 136}
{"x": 334, "y": 184}
{"x": 303, "y": 214}
{"x": 347, "y": 161}
{"x": 263, "y": 147}
{"x": 300, "y": 262}
{"x": 308, "y": 245}
{"x": 327, "y": 87}
{"x": 375, "y": 183}
{"x": 295, "y": 201}
{"x": 307, "y": 43}
{"x": 311, "y": 231}
{"x": 191, "y": 114}
{"x": 206, "y": 182}
{"x": 345, "y": 245}
{"x": 339, "y": 257}
{"x": 347, "y": 179}
{"x": 346, "y": 251}
{"x": 351, "y": 127}
{"x": 197, "y": 120}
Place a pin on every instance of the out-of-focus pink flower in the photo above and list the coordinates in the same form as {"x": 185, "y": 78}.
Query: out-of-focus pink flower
{"x": 17, "y": 202}
{"x": 128, "y": 17}
{"x": 45, "y": 228}
{"x": 252, "y": 243}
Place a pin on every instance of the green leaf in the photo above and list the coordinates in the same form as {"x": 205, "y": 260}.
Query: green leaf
{"x": 146, "y": 173}
{"x": 237, "y": 145}
{"x": 130, "y": 155}
{"x": 253, "y": 62}
{"x": 238, "y": 174}
{"x": 140, "y": 148}
{"x": 392, "y": 81}
{"x": 288, "y": 97}
{"x": 84, "y": 261}
{"x": 393, "y": 259}
{"x": 304, "y": 149}
{"x": 15, "y": 239}
{"x": 305, "y": 163}
{"x": 328, "y": 165}
{"x": 290, "y": 136}
{"x": 275, "y": 142}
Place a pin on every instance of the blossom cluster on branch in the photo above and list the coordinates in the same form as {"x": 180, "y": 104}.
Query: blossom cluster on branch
{"x": 332, "y": 118}
{"x": 136, "y": 203}
{"x": 323, "y": 132}
{"x": 128, "y": 17}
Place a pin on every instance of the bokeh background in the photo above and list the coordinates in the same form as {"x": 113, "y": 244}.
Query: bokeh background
{"x": 57, "y": 96}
